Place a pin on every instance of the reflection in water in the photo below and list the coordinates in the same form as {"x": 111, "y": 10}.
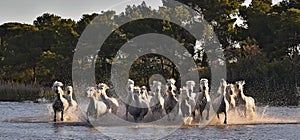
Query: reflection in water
{"x": 19, "y": 122}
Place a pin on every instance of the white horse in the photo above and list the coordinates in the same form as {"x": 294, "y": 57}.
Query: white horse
{"x": 171, "y": 102}
{"x": 95, "y": 108}
{"x": 220, "y": 104}
{"x": 69, "y": 96}
{"x": 138, "y": 108}
{"x": 60, "y": 104}
{"x": 157, "y": 101}
{"x": 185, "y": 106}
{"x": 111, "y": 102}
{"x": 129, "y": 98}
{"x": 230, "y": 95}
{"x": 190, "y": 85}
{"x": 204, "y": 98}
{"x": 144, "y": 94}
{"x": 247, "y": 102}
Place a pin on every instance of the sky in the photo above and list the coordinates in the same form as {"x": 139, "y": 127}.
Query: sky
{"x": 247, "y": 2}
{"x": 26, "y": 11}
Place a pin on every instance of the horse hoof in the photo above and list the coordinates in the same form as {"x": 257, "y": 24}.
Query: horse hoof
{"x": 54, "y": 120}
{"x": 62, "y": 119}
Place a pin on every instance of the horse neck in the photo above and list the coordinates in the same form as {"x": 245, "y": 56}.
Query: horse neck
{"x": 130, "y": 95}
{"x": 184, "y": 100}
{"x": 57, "y": 96}
{"x": 156, "y": 96}
{"x": 171, "y": 96}
{"x": 145, "y": 94}
{"x": 93, "y": 101}
{"x": 206, "y": 94}
{"x": 228, "y": 96}
{"x": 190, "y": 91}
{"x": 71, "y": 96}
{"x": 224, "y": 93}
{"x": 102, "y": 97}
{"x": 242, "y": 95}
{"x": 136, "y": 102}
{"x": 60, "y": 96}
{"x": 104, "y": 94}
{"x": 188, "y": 94}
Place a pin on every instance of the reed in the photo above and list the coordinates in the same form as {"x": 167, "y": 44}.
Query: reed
{"x": 18, "y": 92}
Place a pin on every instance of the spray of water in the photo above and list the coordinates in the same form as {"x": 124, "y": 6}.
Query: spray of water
{"x": 263, "y": 115}
{"x": 69, "y": 116}
{"x": 264, "y": 111}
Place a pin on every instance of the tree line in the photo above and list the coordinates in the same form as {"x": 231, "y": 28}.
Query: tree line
{"x": 263, "y": 50}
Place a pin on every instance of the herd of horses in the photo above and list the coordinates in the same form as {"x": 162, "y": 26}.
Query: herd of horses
{"x": 160, "y": 100}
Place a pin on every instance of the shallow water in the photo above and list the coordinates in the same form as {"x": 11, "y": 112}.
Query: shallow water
{"x": 34, "y": 121}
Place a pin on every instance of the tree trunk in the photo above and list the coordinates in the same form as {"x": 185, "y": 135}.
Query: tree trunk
{"x": 34, "y": 75}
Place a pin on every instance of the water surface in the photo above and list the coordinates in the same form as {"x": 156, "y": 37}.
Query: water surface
{"x": 34, "y": 121}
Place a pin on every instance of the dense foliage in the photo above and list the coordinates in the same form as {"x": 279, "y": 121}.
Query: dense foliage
{"x": 264, "y": 50}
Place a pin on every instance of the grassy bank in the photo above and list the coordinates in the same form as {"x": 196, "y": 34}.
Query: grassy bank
{"x": 24, "y": 92}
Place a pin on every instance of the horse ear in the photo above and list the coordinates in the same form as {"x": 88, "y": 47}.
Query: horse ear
{"x": 223, "y": 82}
{"x": 243, "y": 82}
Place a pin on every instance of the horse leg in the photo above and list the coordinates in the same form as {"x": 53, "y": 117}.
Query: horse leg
{"x": 87, "y": 117}
{"x": 193, "y": 114}
{"x": 245, "y": 112}
{"x": 115, "y": 110}
{"x": 54, "y": 119}
{"x": 207, "y": 116}
{"x": 225, "y": 121}
{"x": 141, "y": 118}
{"x": 201, "y": 115}
{"x": 175, "y": 115}
{"x": 207, "y": 108}
{"x": 135, "y": 119}
{"x": 176, "y": 112}
{"x": 168, "y": 115}
{"x": 126, "y": 114}
{"x": 62, "y": 115}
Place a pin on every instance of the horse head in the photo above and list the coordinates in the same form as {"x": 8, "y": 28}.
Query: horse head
{"x": 190, "y": 86}
{"x": 69, "y": 90}
{"x": 239, "y": 86}
{"x": 90, "y": 92}
{"x": 204, "y": 84}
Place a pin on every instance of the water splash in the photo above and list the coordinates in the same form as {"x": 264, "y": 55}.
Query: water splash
{"x": 264, "y": 115}
{"x": 69, "y": 116}
{"x": 264, "y": 111}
